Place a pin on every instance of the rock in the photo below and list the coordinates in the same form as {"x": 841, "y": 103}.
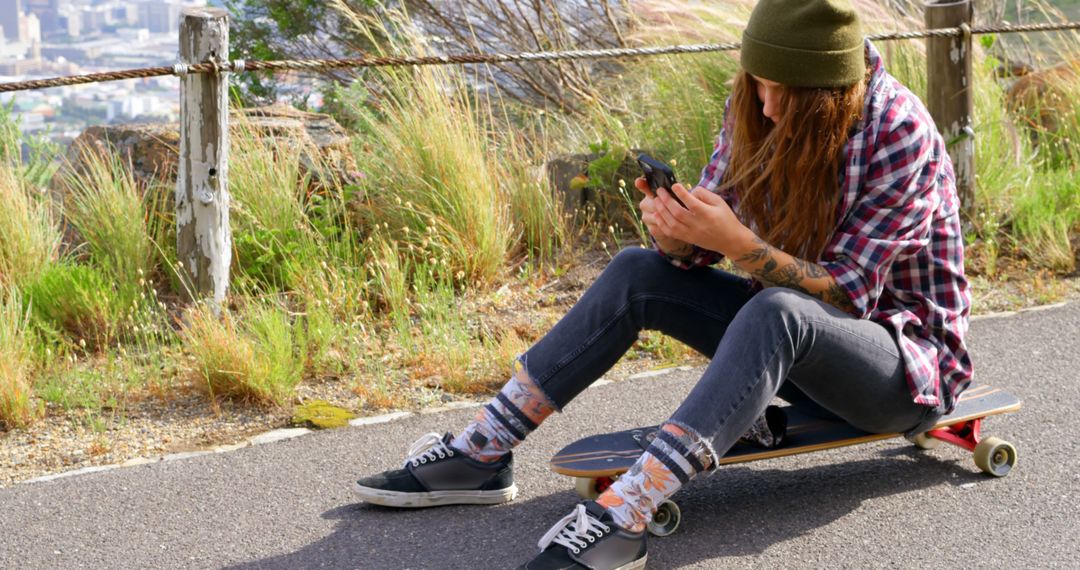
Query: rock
{"x": 320, "y": 414}
{"x": 1044, "y": 98}
{"x": 568, "y": 178}
{"x": 152, "y": 149}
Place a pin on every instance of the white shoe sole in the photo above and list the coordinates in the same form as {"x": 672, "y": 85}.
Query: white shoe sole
{"x": 435, "y": 498}
{"x": 635, "y": 565}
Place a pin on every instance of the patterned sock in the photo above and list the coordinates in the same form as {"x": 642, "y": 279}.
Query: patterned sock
{"x": 505, "y": 421}
{"x": 671, "y": 460}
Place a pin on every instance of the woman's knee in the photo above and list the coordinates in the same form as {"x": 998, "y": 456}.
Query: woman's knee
{"x": 779, "y": 302}
{"x": 775, "y": 313}
{"x": 637, "y": 265}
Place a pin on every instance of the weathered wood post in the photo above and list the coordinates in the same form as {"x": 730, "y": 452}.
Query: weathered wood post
{"x": 949, "y": 89}
{"x": 203, "y": 237}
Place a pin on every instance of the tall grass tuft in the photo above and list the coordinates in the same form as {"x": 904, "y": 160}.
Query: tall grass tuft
{"x": 431, "y": 157}
{"x": 435, "y": 168}
{"x": 1046, "y": 215}
{"x": 106, "y": 207}
{"x": 258, "y": 358}
{"x": 538, "y": 217}
{"x": 16, "y": 404}
{"x": 29, "y": 239}
{"x": 271, "y": 232}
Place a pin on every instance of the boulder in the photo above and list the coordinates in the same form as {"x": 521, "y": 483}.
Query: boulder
{"x": 1044, "y": 98}
{"x": 152, "y": 150}
{"x": 568, "y": 176}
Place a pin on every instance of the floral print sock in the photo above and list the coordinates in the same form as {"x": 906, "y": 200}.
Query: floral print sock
{"x": 505, "y": 421}
{"x": 673, "y": 458}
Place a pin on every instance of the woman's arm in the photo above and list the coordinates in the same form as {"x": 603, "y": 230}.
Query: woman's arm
{"x": 709, "y": 222}
{"x": 666, "y": 244}
{"x": 774, "y": 268}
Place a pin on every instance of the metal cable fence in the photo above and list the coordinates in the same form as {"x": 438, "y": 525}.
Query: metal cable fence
{"x": 240, "y": 65}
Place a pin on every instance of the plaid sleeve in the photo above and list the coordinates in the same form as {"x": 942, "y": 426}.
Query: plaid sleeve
{"x": 713, "y": 173}
{"x": 892, "y": 215}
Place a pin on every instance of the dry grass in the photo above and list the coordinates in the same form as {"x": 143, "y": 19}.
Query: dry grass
{"x": 17, "y": 407}
{"x": 29, "y": 240}
{"x": 256, "y": 361}
{"x": 105, "y": 205}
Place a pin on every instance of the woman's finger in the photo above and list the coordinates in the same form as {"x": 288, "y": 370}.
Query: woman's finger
{"x": 663, "y": 214}
{"x": 641, "y": 184}
{"x": 692, "y": 202}
{"x": 670, "y": 208}
{"x": 704, "y": 195}
{"x": 678, "y": 213}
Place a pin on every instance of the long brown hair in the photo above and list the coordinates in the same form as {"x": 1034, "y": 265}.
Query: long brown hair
{"x": 787, "y": 174}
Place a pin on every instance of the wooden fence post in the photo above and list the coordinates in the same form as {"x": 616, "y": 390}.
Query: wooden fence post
{"x": 949, "y": 89}
{"x": 203, "y": 237}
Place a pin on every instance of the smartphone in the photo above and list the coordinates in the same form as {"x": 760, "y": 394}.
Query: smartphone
{"x": 658, "y": 175}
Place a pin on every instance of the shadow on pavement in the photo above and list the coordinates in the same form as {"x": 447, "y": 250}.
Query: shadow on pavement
{"x": 736, "y": 512}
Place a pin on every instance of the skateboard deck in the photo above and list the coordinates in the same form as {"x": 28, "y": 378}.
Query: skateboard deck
{"x": 609, "y": 455}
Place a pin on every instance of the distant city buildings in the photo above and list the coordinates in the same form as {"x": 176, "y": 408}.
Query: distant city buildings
{"x": 10, "y": 12}
{"x": 54, "y": 38}
{"x": 24, "y": 21}
{"x": 48, "y": 38}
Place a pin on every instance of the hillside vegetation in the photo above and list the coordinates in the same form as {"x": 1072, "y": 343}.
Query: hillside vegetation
{"x": 425, "y": 272}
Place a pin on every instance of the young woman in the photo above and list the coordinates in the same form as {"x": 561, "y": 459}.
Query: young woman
{"x": 829, "y": 185}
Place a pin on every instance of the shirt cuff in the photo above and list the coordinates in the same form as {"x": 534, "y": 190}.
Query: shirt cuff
{"x": 849, "y": 279}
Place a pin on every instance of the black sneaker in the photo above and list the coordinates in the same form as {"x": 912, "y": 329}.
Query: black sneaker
{"x": 589, "y": 539}
{"x": 769, "y": 430}
{"x": 437, "y": 474}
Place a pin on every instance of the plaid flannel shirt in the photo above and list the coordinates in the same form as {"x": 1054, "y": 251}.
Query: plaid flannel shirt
{"x": 898, "y": 248}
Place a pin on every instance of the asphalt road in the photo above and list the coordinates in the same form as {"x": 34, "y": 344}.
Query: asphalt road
{"x": 288, "y": 504}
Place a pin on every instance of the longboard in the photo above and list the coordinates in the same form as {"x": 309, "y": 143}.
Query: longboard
{"x": 596, "y": 460}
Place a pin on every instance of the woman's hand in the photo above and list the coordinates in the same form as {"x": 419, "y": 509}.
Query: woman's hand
{"x": 648, "y": 209}
{"x": 648, "y": 206}
{"x": 707, "y": 221}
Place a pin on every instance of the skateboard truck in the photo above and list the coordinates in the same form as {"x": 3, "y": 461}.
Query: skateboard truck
{"x": 993, "y": 456}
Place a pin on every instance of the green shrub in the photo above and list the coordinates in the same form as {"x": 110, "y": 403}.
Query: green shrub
{"x": 270, "y": 230}
{"x": 80, "y": 301}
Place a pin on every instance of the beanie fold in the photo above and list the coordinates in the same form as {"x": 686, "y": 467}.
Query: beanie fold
{"x": 803, "y": 68}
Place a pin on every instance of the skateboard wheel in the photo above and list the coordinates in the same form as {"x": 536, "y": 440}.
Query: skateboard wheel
{"x": 665, "y": 520}
{"x": 588, "y": 488}
{"x": 925, "y": 441}
{"x": 995, "y": 456}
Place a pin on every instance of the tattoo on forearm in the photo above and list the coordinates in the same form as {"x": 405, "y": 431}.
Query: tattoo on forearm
{"x": 835, "y": 295}
{"x": 793, "y": 275}
{"x": 761, "y": 253}
{"x": 786, "y": 276}
{"x": 770, "y": 271}
{"x": 811, "y": 270}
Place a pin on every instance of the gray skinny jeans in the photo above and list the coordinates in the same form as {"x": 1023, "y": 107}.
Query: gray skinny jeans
{"x": 776, "y": 342}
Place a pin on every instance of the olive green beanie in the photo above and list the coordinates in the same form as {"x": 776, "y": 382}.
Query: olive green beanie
{"x": 804, "y": 43}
